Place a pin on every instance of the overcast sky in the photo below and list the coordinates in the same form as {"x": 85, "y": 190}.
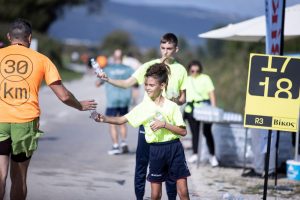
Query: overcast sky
{"x": 249, "y": 8}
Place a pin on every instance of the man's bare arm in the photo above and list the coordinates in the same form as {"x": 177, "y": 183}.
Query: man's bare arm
{"x": 68, "y": 98}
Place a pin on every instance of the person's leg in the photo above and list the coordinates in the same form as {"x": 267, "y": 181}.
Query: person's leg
{"x": 182, "y": 189}
{"x": 112, "y": 112}
{"x": 141, "y": 165}
{"x": 5, "y": 150}
{"x": 210, "y": 144}
{"x": 195, "y": 128}
{"x": 114, "y": 134}
{"x": 4, "y": 163}
{"x": 178, "y": 168}
{"x": 115, "y": 140}
{"x": 123, "y": 131}
{"x": 171, "y": 189}
{"x": 209, "y": 138}
{"x": 18, "y": 175}
{"x": 156, "y": 191}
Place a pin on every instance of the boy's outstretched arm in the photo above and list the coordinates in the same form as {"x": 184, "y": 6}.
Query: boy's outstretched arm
{"x": 126, "y": 83}
{"x": 111, "y": 120}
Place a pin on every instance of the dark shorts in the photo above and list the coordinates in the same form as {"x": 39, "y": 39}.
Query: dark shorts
{"x": 118, "y": 111}
{"x": 167, "y": 159}
{"x": 5, "y": 149}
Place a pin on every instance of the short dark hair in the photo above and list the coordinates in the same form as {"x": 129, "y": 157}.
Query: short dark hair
{"x": 197, "y": 63}
{"x": 169, "y": 37}
{"x": 20, "y": 29}
{"x": 159, "y": 71}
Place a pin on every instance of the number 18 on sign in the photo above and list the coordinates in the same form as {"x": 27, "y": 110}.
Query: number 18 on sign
{"x": 272, "y": 99}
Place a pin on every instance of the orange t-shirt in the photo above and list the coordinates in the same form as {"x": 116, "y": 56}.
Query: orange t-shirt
{"x": 21, "y": 73}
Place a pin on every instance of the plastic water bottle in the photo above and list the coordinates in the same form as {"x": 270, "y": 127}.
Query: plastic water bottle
{"x": 157, "y": 116}
{"x": 93, "y": 114}
{"x": 95, "y": 66}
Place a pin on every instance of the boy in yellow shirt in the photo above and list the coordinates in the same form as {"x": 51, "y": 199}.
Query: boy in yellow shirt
{"x": 164, "y": 126}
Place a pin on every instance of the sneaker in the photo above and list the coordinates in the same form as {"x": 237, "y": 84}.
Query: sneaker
{"x": 193, "y": 158}
{"x": 114, "y": 151}
{"x": 124, "y": 148}
{"x": 213, "y": 161}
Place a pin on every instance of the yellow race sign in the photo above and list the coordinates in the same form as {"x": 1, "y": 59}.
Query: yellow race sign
{"x": 272, "y": 99}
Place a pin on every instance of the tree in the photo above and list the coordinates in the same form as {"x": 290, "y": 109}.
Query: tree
{"x": 117, "y": 39}
{"x": 41, "y": 13}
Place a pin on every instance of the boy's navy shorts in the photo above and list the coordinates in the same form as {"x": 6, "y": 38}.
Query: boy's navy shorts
{"x": 117, "y": 111}
{"x": 167, "y": 159}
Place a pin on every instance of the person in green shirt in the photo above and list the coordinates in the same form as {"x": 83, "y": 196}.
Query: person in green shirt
{"x": 164, "y": 126}
{"x": 176, "y": 90}
{"x": 200, "y": 89}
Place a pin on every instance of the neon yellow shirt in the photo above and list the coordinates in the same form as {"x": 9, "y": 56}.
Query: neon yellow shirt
{"x": 177, "y": 78}
{"x": 198, "y": 88}
{"x": 147, "y": 110}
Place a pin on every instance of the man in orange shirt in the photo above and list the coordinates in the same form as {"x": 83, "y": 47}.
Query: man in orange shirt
{"x": 21, "y": 73}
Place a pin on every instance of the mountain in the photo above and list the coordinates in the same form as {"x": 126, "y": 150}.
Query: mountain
{"x": 146, "y": 24}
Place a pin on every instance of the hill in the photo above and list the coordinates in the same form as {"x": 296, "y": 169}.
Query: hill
{"x": 145, "y": 23}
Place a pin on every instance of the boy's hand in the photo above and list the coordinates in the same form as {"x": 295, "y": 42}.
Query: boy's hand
{"x": 99, "y": 118}
{"x": 156, "y": 124}
{"x": 103, "y": 76}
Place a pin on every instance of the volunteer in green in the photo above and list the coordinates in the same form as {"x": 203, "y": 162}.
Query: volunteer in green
{"x": 200, "y": 90}
{"x": 164, "y": 126}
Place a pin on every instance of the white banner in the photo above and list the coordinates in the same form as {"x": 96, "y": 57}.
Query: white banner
{"x": 274, "y": 22}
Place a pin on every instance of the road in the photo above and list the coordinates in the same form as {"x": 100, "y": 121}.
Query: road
{"x": 72, "y": 161}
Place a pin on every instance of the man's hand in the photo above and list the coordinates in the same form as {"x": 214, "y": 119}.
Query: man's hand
{"x": 103, "y": 76}
{"x": 88, "y": 105}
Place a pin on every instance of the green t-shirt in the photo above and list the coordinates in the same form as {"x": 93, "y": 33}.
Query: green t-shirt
{"x": 198, "y": 88}
{"x": 177, "y": 78}
{"x": 147, "y": 110}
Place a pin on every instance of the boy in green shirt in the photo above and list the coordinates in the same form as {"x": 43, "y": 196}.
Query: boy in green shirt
{"x": 164, "y": 126}
{"x": 176, "y": 92}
